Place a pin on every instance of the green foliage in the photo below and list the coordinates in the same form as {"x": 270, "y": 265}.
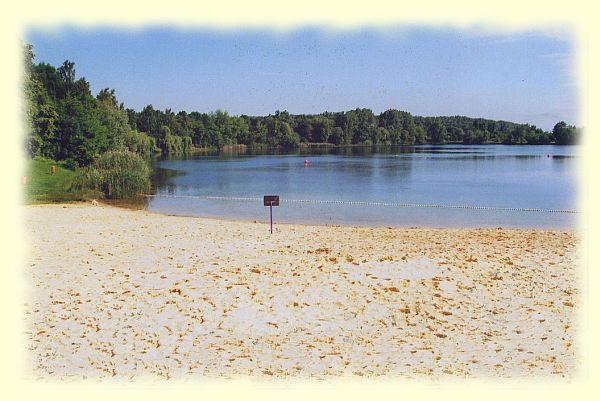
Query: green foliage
{"x": 115, "y": 174}
{"x": 565, "y": 134}
{"x": 286, "y": 138}
{"x": 89, "y": 178}
{"x": 80, "y": 134}
{"x": 365, "y": 125}
{"x": 41, "y": 119}
{"x": 50, "y": 78}
{"x": 186, "y": 142}
{"x": 114, "y": 119}
{"x": 321, "y": 129}
{"x": 419, "y": 134}
{"x": 337, "y": 136}
{"x": 359, "y": 126}
{"x": 527, "y": 134}
{"x": 65, "y": 122}
{"x": 139, "y": 143}
{"x": 437, "y": 132}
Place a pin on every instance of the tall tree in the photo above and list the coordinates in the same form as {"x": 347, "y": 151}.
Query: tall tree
{"x": 107, "y": 96}
{"x": 40, "y": 111}
{"x": 365, "y": 125}
{"x": 67, "y": 71}
{"x": 80, "y": 134}
{"x": 437, "y": 132}
{"x": 565, "y": 134}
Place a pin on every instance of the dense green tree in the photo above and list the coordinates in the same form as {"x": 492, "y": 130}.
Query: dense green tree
{"x": 457, "y": 134}
{"x": 107, "y": 96}
{"x": 41, "y": 119}
{"x": 365, "y": 125}
{"x": 337, "y": 136}
{"x": 304, "y": 129}
{"x": 437, "y": 132}
{"x": 148, "y": 121}
{"x": 184, "y": 126}
{"x": 565, "y": 134}
{"x": 40, "y": 111}
{"x": 400, "y": 126}
{"x": 67, "y": 72}
{"x": 380, "y": 135}
{"x": 537, "y": 136}
{"x": 65, "y": 122}
{"x": 80, "y": 134}
{"x": 322, "y": 128}
{"x": 51, "y": 79}
{"x": 113, "y": 118}
{"x": 286, "y": 138}
{"x": 260, "y": 133}
{"x": 284, "y": 117}
{"x": 132, "y": 118}
{"x": 80, "y": 89}
{"x": 348, "y": 122}
{"x": 140, "y": 143}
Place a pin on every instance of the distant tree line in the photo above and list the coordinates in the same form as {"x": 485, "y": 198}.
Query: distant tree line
{"x": 354, "y": 127}
{"x": 66, "y": 122}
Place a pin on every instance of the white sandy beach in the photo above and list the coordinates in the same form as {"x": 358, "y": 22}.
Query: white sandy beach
{"x": 131, "y": 295}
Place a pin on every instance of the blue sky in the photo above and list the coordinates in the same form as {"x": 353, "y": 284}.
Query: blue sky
{"x": 524, "y": 77}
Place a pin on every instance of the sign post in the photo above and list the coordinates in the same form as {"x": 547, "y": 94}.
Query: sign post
{"x": 271, "y": 200}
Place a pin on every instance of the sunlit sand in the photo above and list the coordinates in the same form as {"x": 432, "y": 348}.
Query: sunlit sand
{"x": 133, "y": 295}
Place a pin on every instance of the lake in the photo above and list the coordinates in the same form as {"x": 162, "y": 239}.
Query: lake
{"x": 416, "y": 186}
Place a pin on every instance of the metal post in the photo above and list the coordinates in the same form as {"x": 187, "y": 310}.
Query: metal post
{"x": 271, "y": 212}
{"x": 271, "y": 200}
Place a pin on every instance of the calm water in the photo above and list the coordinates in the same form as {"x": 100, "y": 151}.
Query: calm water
{"x": 485, "y": 175}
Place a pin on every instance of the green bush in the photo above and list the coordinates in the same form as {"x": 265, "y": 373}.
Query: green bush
{"x": 88, "y": 178}
{"x": 116, "y": 174}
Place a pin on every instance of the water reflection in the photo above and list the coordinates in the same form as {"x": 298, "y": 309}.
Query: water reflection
{"x": 359, "y": 150}
{"x": 163, "y": 179}
{"x": 481, "y": 175}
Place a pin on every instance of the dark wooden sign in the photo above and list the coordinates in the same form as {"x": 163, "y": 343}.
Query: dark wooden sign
{"x": 271, "y": 200}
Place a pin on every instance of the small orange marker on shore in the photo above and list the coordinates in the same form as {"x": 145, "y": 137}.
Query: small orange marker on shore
{"x": 53, "y": 169}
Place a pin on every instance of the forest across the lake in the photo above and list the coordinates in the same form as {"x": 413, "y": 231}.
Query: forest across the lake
{"x": 104, "y": 139}
{"x": 66, "y": 121}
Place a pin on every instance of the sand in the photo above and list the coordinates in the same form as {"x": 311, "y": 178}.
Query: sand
{"x": 131, "y": 295}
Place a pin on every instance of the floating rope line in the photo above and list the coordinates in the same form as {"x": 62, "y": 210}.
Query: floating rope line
{"x": 366, "y": 203}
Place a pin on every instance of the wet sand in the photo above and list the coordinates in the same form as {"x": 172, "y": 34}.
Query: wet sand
{"x": 132, "y": 295}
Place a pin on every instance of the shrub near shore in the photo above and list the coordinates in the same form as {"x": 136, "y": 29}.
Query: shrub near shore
{"x": 115, "y": 174}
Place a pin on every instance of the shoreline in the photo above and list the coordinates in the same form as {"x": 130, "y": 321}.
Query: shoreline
{"x": 349, "y": 225}
{"x": 115, "y": 293}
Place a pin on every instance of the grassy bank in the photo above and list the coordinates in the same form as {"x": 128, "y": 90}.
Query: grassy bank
{"x": 44, "y": 187}
{"x": 121, "y": 175}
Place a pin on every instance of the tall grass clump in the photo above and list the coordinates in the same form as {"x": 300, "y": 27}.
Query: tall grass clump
{"x": 116, "y": 174}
